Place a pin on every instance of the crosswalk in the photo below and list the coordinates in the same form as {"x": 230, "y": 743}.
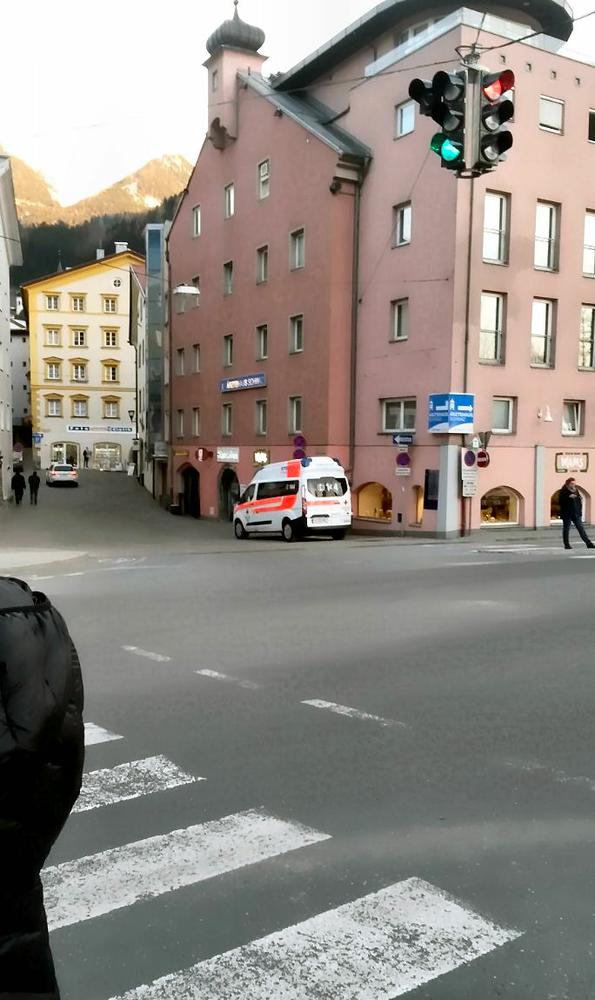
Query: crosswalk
{"x": 378, "y": 946}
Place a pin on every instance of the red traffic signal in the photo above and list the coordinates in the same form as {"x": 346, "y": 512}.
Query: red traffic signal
{"x": 494, "y": 85}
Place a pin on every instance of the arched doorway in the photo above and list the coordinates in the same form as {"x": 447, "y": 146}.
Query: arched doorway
{"x": 191, "y": 491}
{"x": 375, "y": 502}
{"x": 229, "y": 493}
{"x": 555, "y": 506}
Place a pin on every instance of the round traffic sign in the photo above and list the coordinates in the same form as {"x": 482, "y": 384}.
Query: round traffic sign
{"x": 483, "y": 459}
{"x": 403, "y": 459}
{"x": 469, "y": 459}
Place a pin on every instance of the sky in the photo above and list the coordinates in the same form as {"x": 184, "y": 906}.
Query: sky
{"x": 95, "y": 96}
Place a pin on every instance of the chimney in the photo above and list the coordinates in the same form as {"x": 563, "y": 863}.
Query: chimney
{"x": 100, "y": 254}
{"x": 120, "y": 247}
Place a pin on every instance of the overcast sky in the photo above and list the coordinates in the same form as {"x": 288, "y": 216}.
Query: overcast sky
{"x": 97, "y": 90}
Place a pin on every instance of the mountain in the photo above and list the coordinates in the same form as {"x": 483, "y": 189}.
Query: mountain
{"x": 143, "y": 190}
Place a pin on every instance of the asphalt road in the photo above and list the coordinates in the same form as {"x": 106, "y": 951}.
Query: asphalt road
{"x": 396, "y": 743}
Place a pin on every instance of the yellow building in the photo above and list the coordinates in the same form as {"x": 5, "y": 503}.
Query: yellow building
{"x": 82, "y": 366}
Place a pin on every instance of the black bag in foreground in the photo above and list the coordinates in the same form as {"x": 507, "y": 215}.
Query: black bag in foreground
{"x": 41, "y": 766}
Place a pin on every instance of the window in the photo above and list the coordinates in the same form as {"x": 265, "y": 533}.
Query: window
{"x": 404, "y": 118}
{"x": 503, "y": 408}
{"x": 79, "y": 372}
{"x": 196, "y": 422}
{"x": 52, "y": 302}
{"x": 295, "y": 415}
{"x": 180, "y": 361}
{"x": 196, "y": 357}
{"x": 491, "y": 340}
{"x": 546, "y": 236}
{"x": 572, "y": 417}
{"x": 261, "y": 416}
{"x": 110, "y": 304}
{"x": 79, "y": 338}
{"x": 52, "y": 337}
{"x": 589, "y": 245}
{"x": 262, "y": 265}
{"x": 52, "y": 371}
{"x": 110, "y": 338}
{"x": 551, "y": 114}
{"x": 229, "y": 201}
{"x": 196, "y": 221}
{"x": 180, "y": 423}
{"x": 264, "y": 179}
{"x": 80, "y": 408}
{"x": 495, "y": 227}
{"x": 111, "y": 409}
{"x": 78, "y": 303}
{"x": 542, "y": 324}
{"x": 226, "y": 419}
{"x": 586, "y": 350}
{"x": 398, "y": 415}
{"x": 500, "y": 506}
{"x": 591, "y": 126}
{"x": 215, "y": 80}
{"x": 53, "y": 407}
{"x": 228, "y": 350}
{"x": 297, "y": 249}
{"x": 262, "y": 345}
{"x": 296, "y": 334}
{"x": 110, "y": 373}
{"x": 228, "y": 278}
{"x": 399, "y": 319}
{"x": 402, "y": 224}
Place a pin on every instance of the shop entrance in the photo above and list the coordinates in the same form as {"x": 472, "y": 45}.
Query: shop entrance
{"x": 229, "y": 494}
{"x": 191, "y": 492}
{"x": 107, "y": 456}
{"x": 65, "y": 453}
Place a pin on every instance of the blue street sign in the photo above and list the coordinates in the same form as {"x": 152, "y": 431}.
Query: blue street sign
{"x": 451, "y": 413}
{"x": 403, "y": 438}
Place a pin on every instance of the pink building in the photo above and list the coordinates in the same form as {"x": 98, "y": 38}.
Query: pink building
{"x": 345, "y": 277}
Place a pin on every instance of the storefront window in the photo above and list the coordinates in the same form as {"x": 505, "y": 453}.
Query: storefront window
{"x": 500, "y": 506}
{"x": 375, "y": 502}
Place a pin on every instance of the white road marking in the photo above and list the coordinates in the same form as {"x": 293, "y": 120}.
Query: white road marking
{"x": 588, "y": 556}
{"x": 376, "y": 948}
{"x": 158, "y": 657}
{"x": 74, "y": 574}
{"x": 214, "y": 675}
{"x": 555, "y": 774}
{"x": 37, "y": 579}
{"x": 130, "y": 781}
{"x": 353, "y": 713}
{"x": 95, "y": 734}
{"x": 100, "y": 883}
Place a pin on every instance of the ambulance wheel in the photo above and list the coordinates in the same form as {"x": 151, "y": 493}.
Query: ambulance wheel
{"x": 239, "y": 530}
{"x": 338, "y": 534}
{"x": 288, "y": 531}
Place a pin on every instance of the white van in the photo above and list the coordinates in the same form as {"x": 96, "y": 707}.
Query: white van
{"x": 310, "y": 496}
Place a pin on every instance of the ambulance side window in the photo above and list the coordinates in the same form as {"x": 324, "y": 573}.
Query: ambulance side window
{"x": 270, "y": 491}
{"x": 248, "y": 494}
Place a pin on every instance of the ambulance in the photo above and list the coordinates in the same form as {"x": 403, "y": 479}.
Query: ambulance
{"x": 308, "y": 496}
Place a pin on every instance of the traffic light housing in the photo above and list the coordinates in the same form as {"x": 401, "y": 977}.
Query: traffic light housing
{"x": 495, "y": 110}
{"x": 443, "y": 100}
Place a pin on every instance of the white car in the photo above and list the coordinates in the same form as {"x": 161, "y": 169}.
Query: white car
{"x": 61, "y": 474}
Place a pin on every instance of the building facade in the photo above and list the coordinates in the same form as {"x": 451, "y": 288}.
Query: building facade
{"x": 20, "y": 375}
{"x": 345, "y": 278}
{"x": 10, "y": 256}
{"x": 83, "y": 371}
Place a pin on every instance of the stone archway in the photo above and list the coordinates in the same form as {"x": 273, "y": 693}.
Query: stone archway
{"x": 229, "y": 493}
{"x": 191, "y": 491}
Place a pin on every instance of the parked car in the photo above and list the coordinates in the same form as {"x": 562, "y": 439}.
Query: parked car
{"x": 61, "y": 474}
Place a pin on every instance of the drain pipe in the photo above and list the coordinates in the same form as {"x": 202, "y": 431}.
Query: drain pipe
{"x": 354, "y": 324}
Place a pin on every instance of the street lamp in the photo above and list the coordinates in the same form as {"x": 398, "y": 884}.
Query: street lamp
{"x": 131, "y": 414}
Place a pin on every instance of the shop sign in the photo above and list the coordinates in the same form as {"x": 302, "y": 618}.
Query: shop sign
{"x": 231, "y": 455}
{"x": 572, "y": 461}
{"x": 258, "y": 381}
{"x": 261, "y": 457}
{"x": 98, "y": 429}
{"x": 181, "y": 453}
{"x": 160, "y": 449}
{"x": 451, "y": 413}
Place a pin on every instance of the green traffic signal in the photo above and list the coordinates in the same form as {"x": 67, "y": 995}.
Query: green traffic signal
{"x": 447, "y": 149}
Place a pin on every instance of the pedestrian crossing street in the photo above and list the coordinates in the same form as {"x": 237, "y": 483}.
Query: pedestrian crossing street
{"x": 378, "y": 946}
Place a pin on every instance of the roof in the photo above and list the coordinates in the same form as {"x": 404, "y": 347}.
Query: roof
{"x": 8, "y": 215}
{"x": 65, "y": 274}
{"x": 554, "y": 16}
{"x": 312, "y": 115}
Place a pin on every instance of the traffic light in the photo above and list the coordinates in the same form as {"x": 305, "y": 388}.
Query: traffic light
{"x": 495, "y": 111}
{"x": 443, "y": 100}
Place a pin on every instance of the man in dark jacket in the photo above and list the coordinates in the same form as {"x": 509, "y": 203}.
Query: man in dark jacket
{"x": 18, "y": 486}
{"x": 571, "y": 512}
{"x": 34, "y": 482}
{"x": 41, "y": 763}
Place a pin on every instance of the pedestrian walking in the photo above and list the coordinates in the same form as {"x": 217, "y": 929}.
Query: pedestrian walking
{"x": 86, "y": 456}
{"x": 18, "y": 486}
{"x": 34, "y": 482}
{"x": 571, "y": 512}
{"x": 41, "y": 764}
